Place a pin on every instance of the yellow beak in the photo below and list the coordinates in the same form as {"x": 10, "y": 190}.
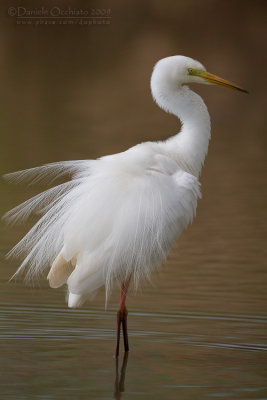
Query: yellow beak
{"x": 216, "y": 80}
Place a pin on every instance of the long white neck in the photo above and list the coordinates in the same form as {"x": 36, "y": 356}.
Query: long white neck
{"x": 188, "y": 147}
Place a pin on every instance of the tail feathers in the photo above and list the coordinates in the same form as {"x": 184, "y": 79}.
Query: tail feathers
{"x": 60, "y": 271}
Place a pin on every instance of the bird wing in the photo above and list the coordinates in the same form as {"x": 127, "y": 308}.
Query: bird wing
{"x": 118, "y": 216}
{"x": 43, "y": 242}
{"x": 49, "y": 172}
{"x": 139, "y": 206}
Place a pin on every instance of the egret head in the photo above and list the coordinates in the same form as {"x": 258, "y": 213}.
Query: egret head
{"x": 172, "y": 72}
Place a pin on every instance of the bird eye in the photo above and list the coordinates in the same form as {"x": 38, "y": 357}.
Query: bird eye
{"x": 190, "y": 70}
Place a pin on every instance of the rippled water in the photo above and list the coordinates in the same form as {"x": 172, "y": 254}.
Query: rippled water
{"x": 51, "y": 352}
{"x": 200, "y": 330}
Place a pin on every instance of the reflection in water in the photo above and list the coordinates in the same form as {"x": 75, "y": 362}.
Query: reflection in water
{"x": 58, "y": 353}
{"x": 119, "y": 380}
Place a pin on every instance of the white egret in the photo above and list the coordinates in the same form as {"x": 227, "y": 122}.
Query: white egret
{"x": 119, "y": 216}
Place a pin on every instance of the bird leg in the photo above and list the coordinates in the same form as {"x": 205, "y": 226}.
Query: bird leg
{"x": 122, "y": 319}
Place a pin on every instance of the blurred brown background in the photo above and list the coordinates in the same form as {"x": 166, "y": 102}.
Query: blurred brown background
{"x": 82, "y": 91}
{"x": 71, "y": 91}
{"x": 75, "y": 92}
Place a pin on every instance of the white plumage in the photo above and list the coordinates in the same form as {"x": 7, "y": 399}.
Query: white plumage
{"x": 119, "y": 215}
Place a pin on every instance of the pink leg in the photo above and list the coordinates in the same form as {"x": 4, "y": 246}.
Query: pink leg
{"x": 122, "y": 319}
